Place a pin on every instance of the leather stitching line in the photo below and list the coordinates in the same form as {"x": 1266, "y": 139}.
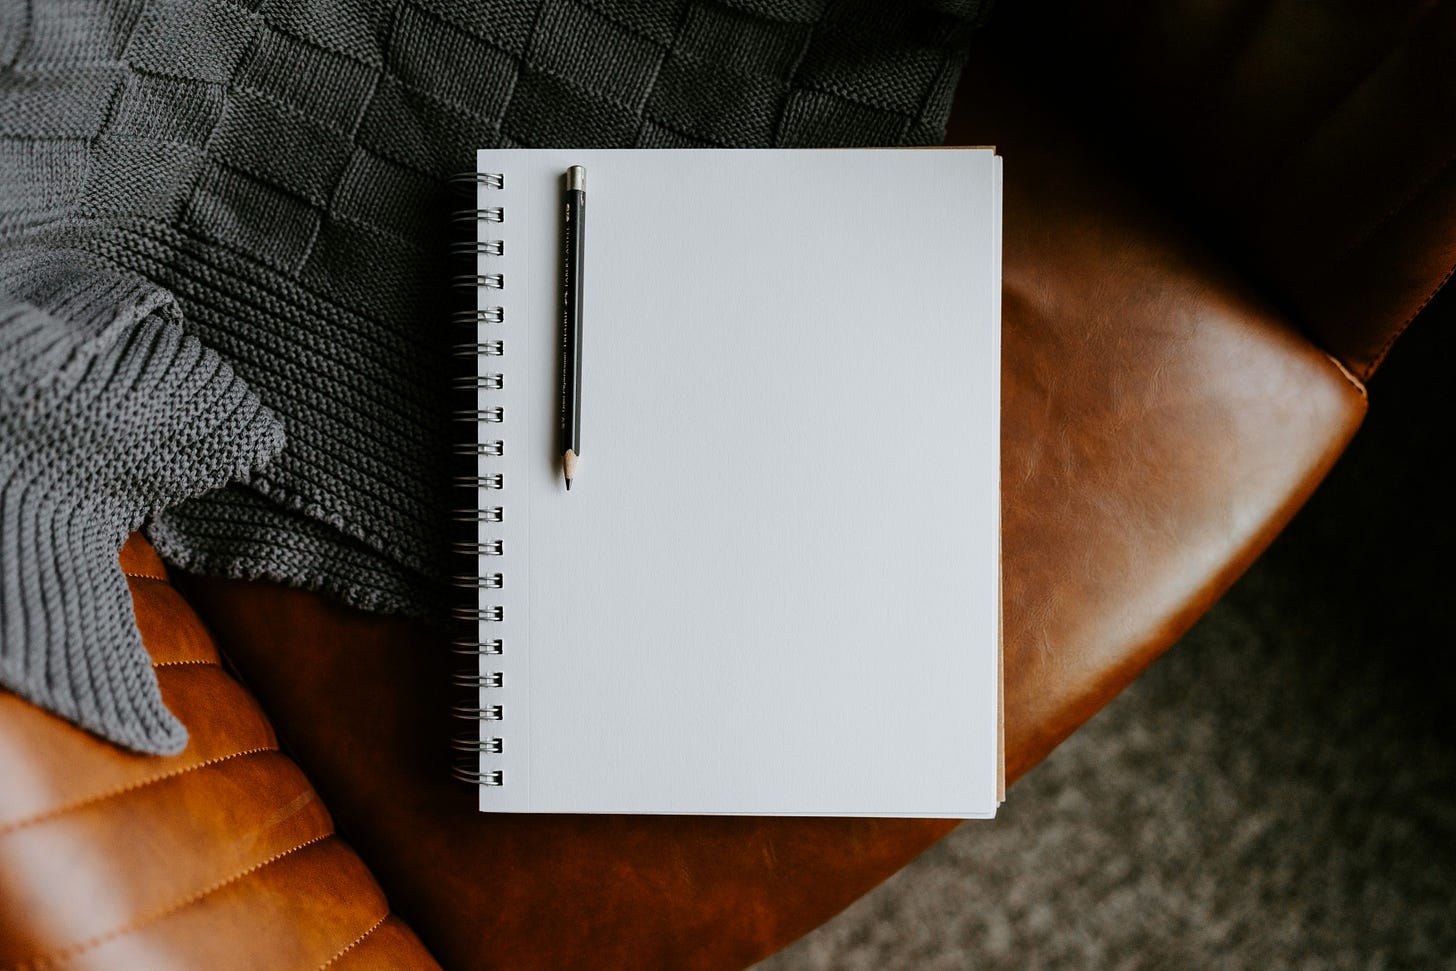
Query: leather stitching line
{"x": 164, "y": 912}
{"x": 144, "y": 576}
{"x": 174, "y": 664}
{"x": 7, "y": 828}
{"x": 1367, "y": 236}
{"x": 356, "y": 941}
{"x": 1390, "y": 341}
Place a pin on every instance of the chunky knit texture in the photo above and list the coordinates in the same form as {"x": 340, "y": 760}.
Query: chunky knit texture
{"x": 271, "y": 178}
{"x": 109, "y": 412}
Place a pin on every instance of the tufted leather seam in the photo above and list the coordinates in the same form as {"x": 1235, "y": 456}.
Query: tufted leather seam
{"x": 146, "y": 576}
{"x": 191, "y": 661}
{"x": 36, "y": 963}
{"x": 7, "y": 828}
{"x": 356, "y": 941}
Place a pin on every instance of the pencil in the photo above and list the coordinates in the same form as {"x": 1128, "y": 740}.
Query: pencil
{"x": 573, "y": 206}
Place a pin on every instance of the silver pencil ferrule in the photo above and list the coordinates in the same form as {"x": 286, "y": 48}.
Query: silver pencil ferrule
{"x": 576, "y": 179}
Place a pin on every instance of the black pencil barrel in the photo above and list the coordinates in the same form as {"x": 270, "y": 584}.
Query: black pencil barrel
{"x": 574, "y": 224}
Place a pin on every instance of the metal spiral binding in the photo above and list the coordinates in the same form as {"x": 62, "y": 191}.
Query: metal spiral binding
{"x": 467, "y": 182}
{"x": 485, "y": 247}
{"x": 494, "y": 614}
{"x": 477, "y": 648}
{"x": 483, "y": 382}
{"x": 473, "y": 581}
{"x": 466, "y": 769}
{"x": 482, "y": 514}
{"x": 471, "y": 743}
{"x": 490, "y": 281}
{"x": 495, "y": 214}
{"x": 490, "y": 449}
{"x": 480, "y": 349}
{"x": 486, "y": 713}
{"x": 490, "y": 315}
{"x": 492, "y": 680}
{"x": 489, "y": 547}
{"x": 481, "y": 684}
{"x": 494, "y": 481}
{"x": 481, "y": 414}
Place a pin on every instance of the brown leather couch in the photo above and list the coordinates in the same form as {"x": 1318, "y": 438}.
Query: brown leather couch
{"x": 1218, "y": 218}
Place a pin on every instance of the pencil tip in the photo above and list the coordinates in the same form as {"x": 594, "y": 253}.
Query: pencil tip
{"x": 568, "y": 485}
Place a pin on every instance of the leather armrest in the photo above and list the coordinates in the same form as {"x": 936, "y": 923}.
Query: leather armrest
{"x": 1161, "y": 421}
{"x": 1309, "y": 142}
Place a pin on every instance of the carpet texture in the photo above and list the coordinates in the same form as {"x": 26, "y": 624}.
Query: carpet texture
{"x": 1279, "y": 791}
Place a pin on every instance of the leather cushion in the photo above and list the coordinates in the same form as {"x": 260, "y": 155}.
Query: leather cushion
{"x": 220, "y": 856}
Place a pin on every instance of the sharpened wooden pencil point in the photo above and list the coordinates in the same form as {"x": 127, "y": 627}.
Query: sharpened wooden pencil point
{"x": 568, "y": 466}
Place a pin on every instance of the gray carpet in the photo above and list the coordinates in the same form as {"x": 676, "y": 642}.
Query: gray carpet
{"x": 1279, "y": 791}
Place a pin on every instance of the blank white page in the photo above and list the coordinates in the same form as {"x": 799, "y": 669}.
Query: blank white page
{"x": 773, "y": 587}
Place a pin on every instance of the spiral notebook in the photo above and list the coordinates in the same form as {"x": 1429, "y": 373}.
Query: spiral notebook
{"x": 773, "y": 587}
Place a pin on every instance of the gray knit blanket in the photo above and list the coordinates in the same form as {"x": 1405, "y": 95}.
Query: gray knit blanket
{"x": 223, "y": 255}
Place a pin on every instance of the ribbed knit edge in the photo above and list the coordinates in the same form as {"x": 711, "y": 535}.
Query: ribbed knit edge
{"x": 241, "y": 533}
{"x": 109, "y": 414}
